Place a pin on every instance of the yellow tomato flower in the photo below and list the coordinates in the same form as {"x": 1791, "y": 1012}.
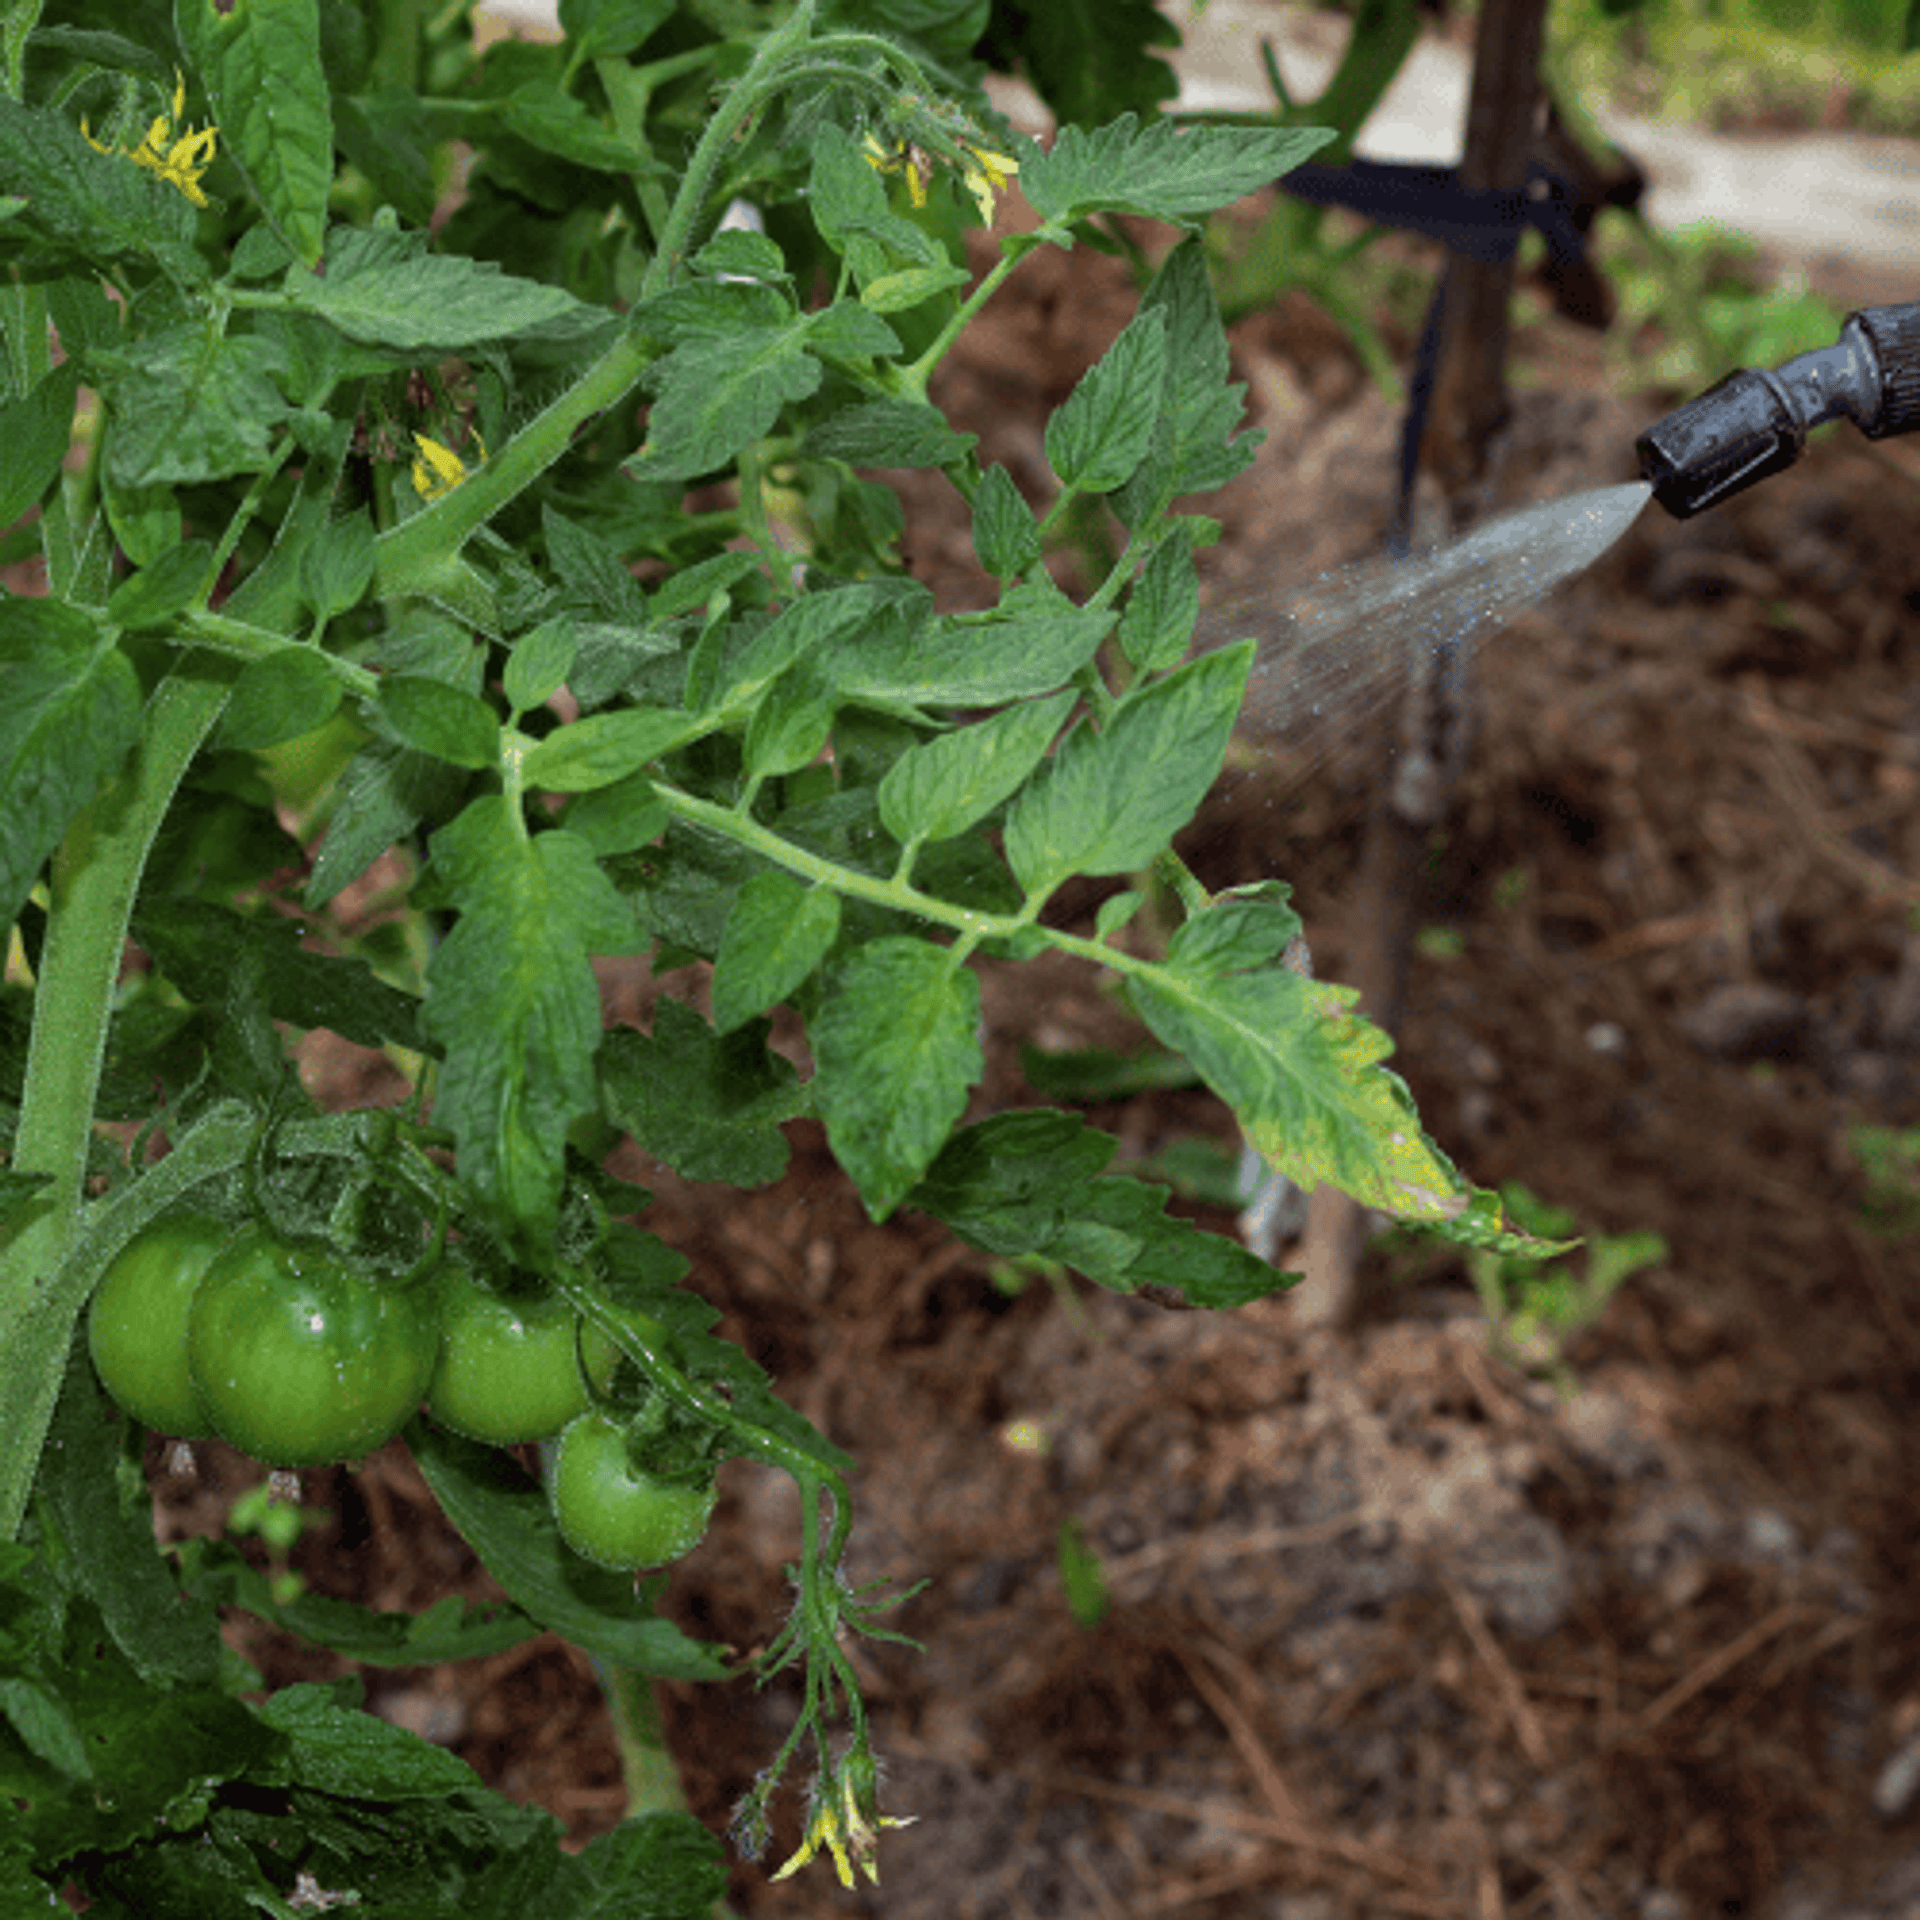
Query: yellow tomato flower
{"x": 847, "y": 1829}
{"x": 178, "y": 159}
{"x": 908, "y": 160}
{"x": 986, "y": 174}
{"x": 438, "y": 470}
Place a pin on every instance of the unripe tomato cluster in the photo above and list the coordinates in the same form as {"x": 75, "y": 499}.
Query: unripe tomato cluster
{"x": 291, "y": 1355}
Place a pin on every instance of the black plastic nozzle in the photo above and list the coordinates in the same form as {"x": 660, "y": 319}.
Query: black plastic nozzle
{"x": 1756, "y": 422}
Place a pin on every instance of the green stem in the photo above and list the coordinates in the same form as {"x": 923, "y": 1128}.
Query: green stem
{"x": 422, "y": 554}
{"x": 96, "y": 875}
{"x": 911, "y": 382}
{"x": 652, "y": 1780}
{"x": 239, "y": 640}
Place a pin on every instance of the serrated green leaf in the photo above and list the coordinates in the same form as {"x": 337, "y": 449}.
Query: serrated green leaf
{"x": 850, "y": 332}
{"x": 789, "y": 726}
{"x": 1033, "y": 642}
{"x": 108, "y": 1545}
{"x": 1244, "y": 927}
{"x": 280, "y": 698}
{"x": 603, "y": 28}
{"x": 69, "y": 716}
{"x": 592, "y": 570}
{"x": 718, "y": 395}
{"x": 382, "y": 132}
{"x": 776, "y": 934}
{"x": 386, "y": 791}
{"x": 145, "y": 520}
{"x": 1157, "y": 627}
{"x": 618, "y": 818}
{"x": 36, "y": 432}
{"x": 709, "y": 1104}
{"x": 605, "y": 747}
{"x": 1110, "y": 801}
{"x": 260, "y": 64}
{"x": 901, "y": 291}
{"x": 1195, "y": 447}
{"x": 888, "y": 433}
{"x": 382, "y": 288}
{"x": 512, "y": 997}
{"x": 1304, "y": 1077}
{"x": 547, "y": 117}
{"x": 503, "y": 1514}
{"x": 41, "y": 1721}
{"x": 895, "y": 1047}
{"x": 738, "y": 250}
{"x": 821, "y": 626}
{"x": 447, "y": 722}
{"x": 1005, "y": 536}
{"x": 189, "y": 403}
{"x": 341, "y": 1750}
{"x": 941, "y": 787}
{"x": 1031, "y": 1183}
{"x": 154, "y": 595}
{"x": 539, "y": 664}
{"x": 1102, "y": 432}
{"x": 452, "y": 1628}
{"x": 336, "y": 566}
{"x": 93, "y": 206}
{"x": 844, "y": 194}
{"x": 201, "y": 947}
{"x": 1161, "y": 171}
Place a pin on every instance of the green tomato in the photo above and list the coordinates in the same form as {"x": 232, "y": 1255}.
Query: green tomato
{"x": 301, "y": 1361}
{"x": 137, "y": 1325}
{"x": 510, "y": 1368}
{"x": 612, "y": 1512}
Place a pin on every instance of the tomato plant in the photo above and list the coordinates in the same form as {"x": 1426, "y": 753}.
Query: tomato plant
{"x": 525, "y": 556}
{"x": 513, "y": 1367}
{"x": 137, "y": 1322}
{"x": 619, "y": 1514}
{"x": 298, "y": 1359}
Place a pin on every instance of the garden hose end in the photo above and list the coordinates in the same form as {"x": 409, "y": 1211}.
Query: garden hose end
{"x": 1755, "y": 422}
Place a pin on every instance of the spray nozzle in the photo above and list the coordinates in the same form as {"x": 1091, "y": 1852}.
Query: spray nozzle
{"x": 1755, "y": 422}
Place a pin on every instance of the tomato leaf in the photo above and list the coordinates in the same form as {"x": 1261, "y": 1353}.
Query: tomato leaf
{"x": 1195, "y": 448}
{"x": 36, "y": 432}
{"x": 453, "y": 1628}
{"x": 383, "y": 288}
{"x": 1097, "y": 439}
{"x": 1303, "y": 1073}
{"x": 260, "y": 65}
{"x": 202, "y": 947}
{"x": 1160, "y": 171}
{"x": 69, "y": 715}
{"x": 447, "y": 722}
{"x": 92, "y": 206}
{"x": 895, "y": 1049}
{"x": 888, "y": 433}
{"x": 710, "y": 1105}
{"x": 188, "y": 404}
{"x": 941, "y": 787}
{"x": 1032, "y": 1183}
{"x": 1110, "y": 800}
{"x": 1033, "y": 642}
{"x": 1157, "y": 627}
{"x": 511, "y": 996}
{"x": 777, "y": 933}
{"x": 1004, "y": 534}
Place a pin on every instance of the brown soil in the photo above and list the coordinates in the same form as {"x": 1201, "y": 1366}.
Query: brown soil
{"x": 1392, "y": 1630}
